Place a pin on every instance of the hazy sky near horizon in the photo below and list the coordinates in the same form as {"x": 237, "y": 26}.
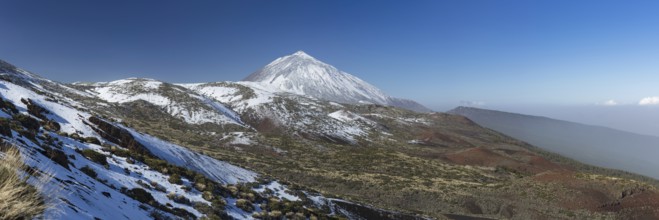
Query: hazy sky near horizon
{"x": 440, "y": 53}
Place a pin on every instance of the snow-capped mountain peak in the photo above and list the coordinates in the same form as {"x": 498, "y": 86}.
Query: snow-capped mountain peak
{"x": 302, "y": 54}
{"x": 302, "y": 74}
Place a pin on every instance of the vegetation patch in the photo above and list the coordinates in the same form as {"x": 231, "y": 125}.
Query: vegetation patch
{"x": 95, "y": 156}
{"x": 35, "y": 109}
{"x": 18, "y": 199}
{"x": 8, "y": 106}
{"x": 5, "y": 127}
{"x": 140, "y": 195}
{"x": 175, "y": 179}
{"x": 27, "y": 121}
{"x": 56, "y": 156}
{"x": 89, "y": 171}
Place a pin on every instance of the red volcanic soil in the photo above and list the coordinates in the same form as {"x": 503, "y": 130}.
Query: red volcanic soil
{"x": 593, "y": 195}
{"x": 520, "y": 161}
{"x": 635, "y": 204}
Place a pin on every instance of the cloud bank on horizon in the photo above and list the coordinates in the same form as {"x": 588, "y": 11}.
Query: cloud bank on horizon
{"x": 610, "y": 102}
{"x": 653, "y": 100}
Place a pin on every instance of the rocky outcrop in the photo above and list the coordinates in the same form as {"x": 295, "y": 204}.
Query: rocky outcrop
{"x": 117, "y": 135}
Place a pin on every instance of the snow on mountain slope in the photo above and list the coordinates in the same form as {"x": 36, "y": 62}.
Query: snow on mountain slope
{"x": 300, "y": 114}
{"x": 175, "y": 100}
{"x": 70, "y": 119}
{"x": 219, "y": 171}
{"x": 96, "y": 178}
{"x": 239, "y": 95}
{"x": 302, "y": 74}
{"x": 79, "y": 196}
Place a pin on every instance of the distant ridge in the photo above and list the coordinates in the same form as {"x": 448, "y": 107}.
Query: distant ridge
{"x": 596, "y": 145}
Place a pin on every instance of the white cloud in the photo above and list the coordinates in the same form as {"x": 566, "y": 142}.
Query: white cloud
{"x": 654, "y": 100}
{"x": 610, "y": 102}
{"x": 472, "y": 103}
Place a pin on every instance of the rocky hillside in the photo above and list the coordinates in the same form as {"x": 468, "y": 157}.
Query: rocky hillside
{"x": 247, "y": 150}
{"x": 97, "y": 167}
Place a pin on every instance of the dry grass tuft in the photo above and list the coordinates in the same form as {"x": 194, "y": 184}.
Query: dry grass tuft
{"x": 18, "y": 199}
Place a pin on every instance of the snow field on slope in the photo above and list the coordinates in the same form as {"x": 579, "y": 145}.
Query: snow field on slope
{"x": 278, "y": 191}
{"x": 70, "y": 119}
{"x": 116, "y": 93}
{"x": 216, "y": 170}
{"x": 83, "y": 195}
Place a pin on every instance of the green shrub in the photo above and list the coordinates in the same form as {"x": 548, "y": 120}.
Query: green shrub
{"x": 155, "y": 163}
{"x": 208, "y": 196}
{"x": 245, "y": 205}
{"x": 119, "y": 152}
{"x": 89, "y": 171}
{"x": 35, "y": 109}
{"x": 219, "y": 202}
{"x": 95, "y": 156}
{"x": 182, "y": 213}
{"x": 212, "y": 212}
{"x": 140, "y": 195}
{"x": 158, "y": 187}
{"x": 5, "y": 127}
{"x": 179, "y": 199}
{"x": 143, "y": 184}
{"x": 275, "y": 214}
{"x": 29, "y": 134}
{"x": 92, "y": 140}
{"x": 8, "y": 106}
{"x": 52, "y": 126}
{"x": 175, "y": 179}
{"x": 57, "y": 156}
{"x": 27, "y": 121}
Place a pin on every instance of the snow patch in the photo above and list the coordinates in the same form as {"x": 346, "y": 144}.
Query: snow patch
{"x": 278, "y": 190}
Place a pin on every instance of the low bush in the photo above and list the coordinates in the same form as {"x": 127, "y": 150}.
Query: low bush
{"x": 35, "y": 109}
{"x": 179, "y": 199}
{"x": 89, "y": 171}
{"x": 245, "y": 205}
{"x": 175, "y": 179}
{"x": 95, "y": 156}
{"x": 52, "y": 126}
{"x": 119, "y": 152}
{"x": 57, "y": 156}
{"x": 5, "y": 127}
{"x": 27, "y": 121}
{"x": 158, "y": 187}
{"x": 92, "y": 140}
{"x": 8, "y": 106}
{"x": 140, "y": 195}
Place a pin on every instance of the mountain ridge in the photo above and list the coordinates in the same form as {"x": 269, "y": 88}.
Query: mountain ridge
{"x": 593, "y": 144}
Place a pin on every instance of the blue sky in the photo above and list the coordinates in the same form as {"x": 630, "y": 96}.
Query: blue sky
{"x": 440, "y": 53}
